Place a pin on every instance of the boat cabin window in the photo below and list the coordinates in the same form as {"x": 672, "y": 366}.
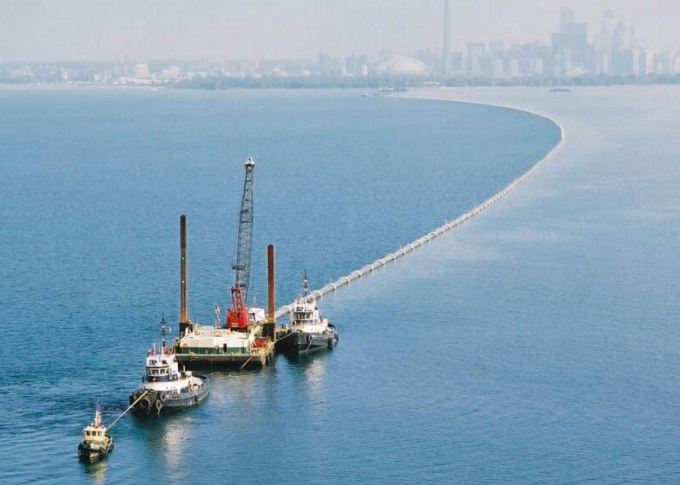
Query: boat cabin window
{"x": 158, "y": 372}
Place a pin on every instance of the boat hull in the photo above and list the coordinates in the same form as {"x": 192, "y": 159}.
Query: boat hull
{"x": 294, "y": 342}
{"x": 162, "y": 402}
{"x": 211, "y": 348}
{"x": 210, "y": 361}
{"x": 95, "y": 451}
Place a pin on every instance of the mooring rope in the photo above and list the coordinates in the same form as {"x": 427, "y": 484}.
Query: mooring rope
{"x": 129, "y": 407}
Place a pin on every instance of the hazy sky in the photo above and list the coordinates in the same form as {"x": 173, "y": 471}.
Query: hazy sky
{"x": 50, "y": 30}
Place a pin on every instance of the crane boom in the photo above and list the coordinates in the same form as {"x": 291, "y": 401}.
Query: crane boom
{"x": 237, "y": 316}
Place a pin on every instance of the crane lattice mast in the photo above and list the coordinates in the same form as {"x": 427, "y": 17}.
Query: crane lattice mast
{"x": 237, "y": 316}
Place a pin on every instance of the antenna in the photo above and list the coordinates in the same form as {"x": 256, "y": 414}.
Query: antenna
{"x": 165, "y": 330}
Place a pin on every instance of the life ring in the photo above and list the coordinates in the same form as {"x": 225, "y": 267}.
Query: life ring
{"x": 162, "y": 397}
{"x": 159, "y": 406}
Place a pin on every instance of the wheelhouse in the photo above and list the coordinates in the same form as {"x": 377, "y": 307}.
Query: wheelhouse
{"x": 92, "y": 434}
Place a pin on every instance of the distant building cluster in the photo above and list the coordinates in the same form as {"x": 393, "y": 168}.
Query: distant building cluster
{"x": 612, "y": 52}
{"x": 88, "y": 73}
{"x": 164, "y": 73}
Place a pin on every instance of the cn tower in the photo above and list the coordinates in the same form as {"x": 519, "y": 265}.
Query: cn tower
{"x": 446, "y": 47}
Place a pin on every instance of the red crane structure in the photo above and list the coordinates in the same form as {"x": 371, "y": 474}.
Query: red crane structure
{"x": 238, "y": 315}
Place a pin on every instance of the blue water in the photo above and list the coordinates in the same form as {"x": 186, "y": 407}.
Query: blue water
{"x": 535, "y": 343}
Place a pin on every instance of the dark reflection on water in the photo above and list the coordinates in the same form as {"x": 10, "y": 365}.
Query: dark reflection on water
{"x": 304, "y": 361}
{"x": 95, "y": 472}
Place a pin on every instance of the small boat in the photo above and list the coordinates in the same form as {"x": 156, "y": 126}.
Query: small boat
{"x": 308, "y": 331}
{"x": 97, "y": 443}
{"x": 164, "y": 388}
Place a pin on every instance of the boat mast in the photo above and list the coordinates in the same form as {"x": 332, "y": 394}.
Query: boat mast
{"x": 165, "y": 330}
{"x": 305, "y": 284}
{"x": 97, "y": 417}
{"x": 237, "y": 316}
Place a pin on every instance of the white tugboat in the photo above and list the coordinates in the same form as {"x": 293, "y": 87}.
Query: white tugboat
{"x": 308, "y": 331}
{"x": 164, "y": 388}
{"x": 97, "y": 443}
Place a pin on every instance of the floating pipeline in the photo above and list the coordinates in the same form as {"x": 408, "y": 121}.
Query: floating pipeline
{"x": 421, "y": 241}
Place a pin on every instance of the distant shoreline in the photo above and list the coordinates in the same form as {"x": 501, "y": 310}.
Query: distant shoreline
{"x": 219, "y": 83}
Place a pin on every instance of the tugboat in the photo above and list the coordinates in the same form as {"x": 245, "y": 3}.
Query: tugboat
{"x": 164, "y": 388}
{"x": 308, "y": 331}
{"x": 97, "y": 443}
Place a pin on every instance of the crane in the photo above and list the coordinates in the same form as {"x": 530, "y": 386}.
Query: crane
{"x": 237, "y": 315}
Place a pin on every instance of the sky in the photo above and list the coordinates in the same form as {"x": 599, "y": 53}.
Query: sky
{"x": 139, "y": 30}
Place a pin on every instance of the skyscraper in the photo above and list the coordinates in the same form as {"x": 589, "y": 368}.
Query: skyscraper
{"x": 620, "y": 36}
{"x": 446, "y": 45}
{"x": 570, "y": 44}
{"x": 476, "y": 51}
{"x": 608, "y": 23}
{"x": 567, "y": 17}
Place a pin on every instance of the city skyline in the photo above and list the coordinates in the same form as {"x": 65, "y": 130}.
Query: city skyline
{"x": 79, "y": 30}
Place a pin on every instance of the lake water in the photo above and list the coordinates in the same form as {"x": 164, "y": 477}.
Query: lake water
{"x": 535, "y": 343}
